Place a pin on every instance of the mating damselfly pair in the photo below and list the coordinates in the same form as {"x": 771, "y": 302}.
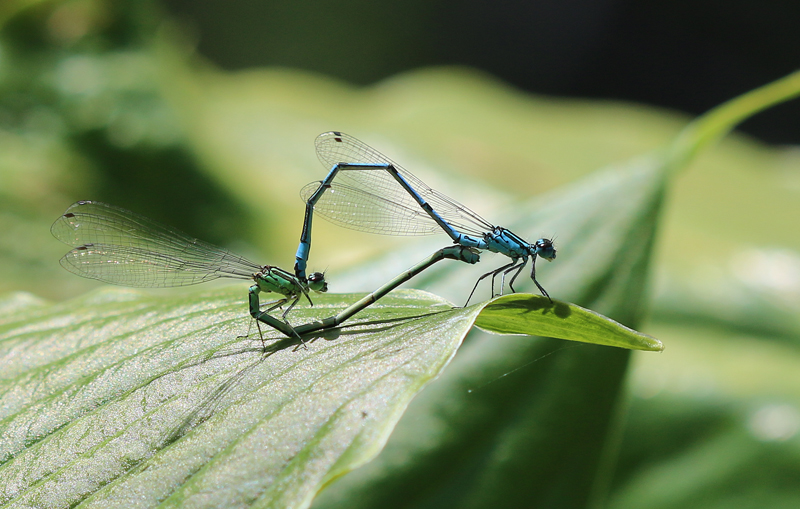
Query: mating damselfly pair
{"x": 364, "y": 190}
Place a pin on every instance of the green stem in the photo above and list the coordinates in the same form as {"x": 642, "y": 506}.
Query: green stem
{"x": 715, "y": 124}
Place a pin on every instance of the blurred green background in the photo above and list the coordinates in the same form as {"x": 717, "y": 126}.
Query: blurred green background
{"x": 203, "y": 115}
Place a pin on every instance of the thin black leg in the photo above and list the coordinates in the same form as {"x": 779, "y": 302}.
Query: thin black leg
{"x": 533, "y": 276}
{"x": 497, "y": 271}
{"x": 511, "y": 283}
{"x": 492, "y": 273}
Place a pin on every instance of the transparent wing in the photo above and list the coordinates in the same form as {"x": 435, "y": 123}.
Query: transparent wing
{"x": 359, "y": 209}
{"x": 120, "y": 247}
{"x": 372, "y": 200}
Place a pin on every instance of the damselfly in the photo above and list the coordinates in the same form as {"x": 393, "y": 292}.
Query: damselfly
{"x": 117, "y": 246}
{"x": 365, "y": 190}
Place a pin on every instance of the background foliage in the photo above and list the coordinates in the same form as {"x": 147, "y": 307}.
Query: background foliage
{"x": 105, "y": 100}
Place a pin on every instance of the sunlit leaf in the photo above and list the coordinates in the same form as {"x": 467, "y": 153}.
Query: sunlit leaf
{"x": 534, "y": 315}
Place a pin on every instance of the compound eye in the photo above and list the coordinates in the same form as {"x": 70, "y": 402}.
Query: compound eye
{"x": 316, "y": 282}
{"x": 545, "y": 249}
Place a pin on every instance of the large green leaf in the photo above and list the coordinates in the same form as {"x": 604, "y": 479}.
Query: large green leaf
{"x": 119, "y": 397}
{"x": 117, "y": 393}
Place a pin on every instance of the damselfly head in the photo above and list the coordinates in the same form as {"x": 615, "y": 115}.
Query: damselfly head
{"x": 316, "y": 282}
{"x": 544, "y": 248}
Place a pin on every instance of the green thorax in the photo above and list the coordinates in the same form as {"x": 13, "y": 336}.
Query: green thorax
{"x": 274, "y": 279}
